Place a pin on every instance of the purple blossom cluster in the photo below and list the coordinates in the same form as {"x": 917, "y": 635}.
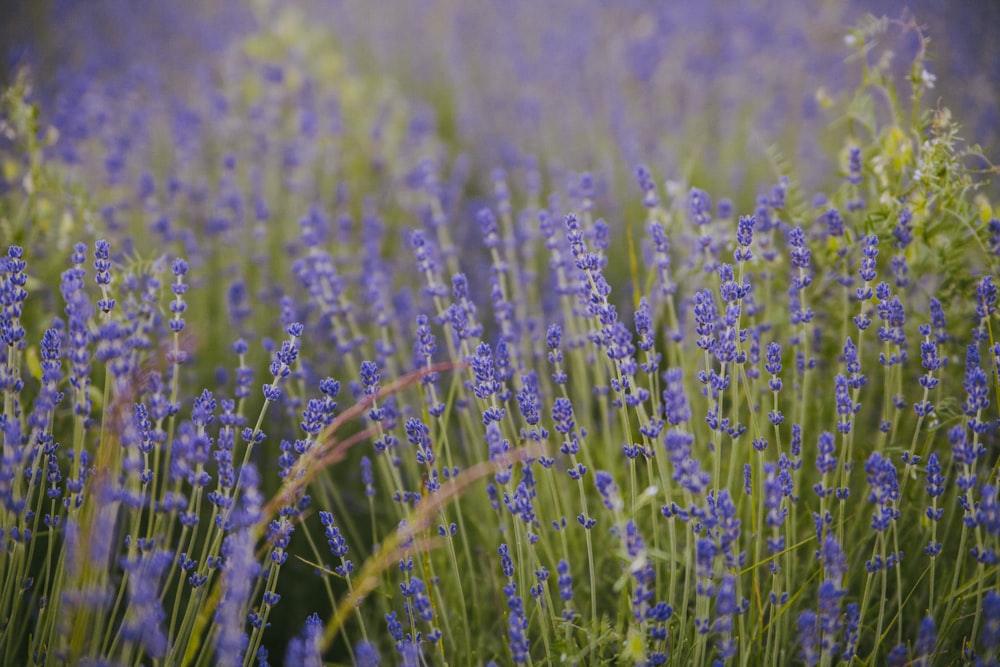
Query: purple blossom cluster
{"x": 517, "y": 346}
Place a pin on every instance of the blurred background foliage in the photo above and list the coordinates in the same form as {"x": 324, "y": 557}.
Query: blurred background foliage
{"x": 691, "y": 88}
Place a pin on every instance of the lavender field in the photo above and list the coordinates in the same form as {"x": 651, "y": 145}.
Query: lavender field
{"x": 480, "y": 333}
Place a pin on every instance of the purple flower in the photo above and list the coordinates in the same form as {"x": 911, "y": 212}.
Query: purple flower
{"x": 517, "y": 623}
{"x": 931, "y": 362}
{"x": 938, "y": 322}
{"x": 418, "y": 604}
{"x": 240, "y": 569}
{"x": 644, "y": 326}
{"x": 846, "y": 408}
{"x": 890, "y": 311}
{"x": 898, "y": 656}
{"x": 744, "y": 232}
{"x": 562, "y": 414}
{"x": 986, "y": 298}
{"x": 279, "y": 534}
{"x": 988, "y": 518}
{"x": 729, "y": 289}
{"x": 724, "y": 209}
{"x": 854, "y": 177}
{"x": 855, "y": 380}
{"x": 648, "y": 187}
{"x": 144, "y": 620}
{"x": 852, "y": 631}
{"x": 989, "y": 636}
{"x": 284, "y": 359}
{"x": 367, "y": 478}
{"x": 78, "y": 311}
{"x": 935, "y": 488}
{"x": 418, "y": 435}
{"x": 706, "y": 319}
{"x": 926, "y": 642}
{"x": 869, "y": 253}
{"x": 834, "y": 223}
{"x": 370, "y": 377}
{"x": 808, "y": 637}
{"x": 319, "y": 411}
{"x": 705, "y": 553}
{"x": 884, "y": 490}
{"x": 994, "y": 241}
{"x": 425, "y": 254}
{"x": 744, "y": 237}
{"x": 903, "y": 231}
{"x": 799, "y": 256}
{"x": 608, "y": 490}
{"x": 244, "y": 374}
{"x": 700, "y": 207}
{"x": 723, "y": 523}
{"x": 12, "y": 295}
{"x": 774, "y": 492}
{"x": 506, "y": 562}
{"x": 976, "y": 387}
{"x": 553, "y": 337}
{"x": 179, "y": 288}
{"x": 485, "y": 384}
{"x": 602, "y": 235}
{"x": 825, "y": 460}
{"x": 725, "y": 608}
{"x": 49, "y": 396}
{"x": 584, "y": 189}
{"x": 773, "y": 365}
{"x": 964, "y": 452}
{"x": 641, "y": 569}
{"x": 426, "y": 345}
{"x": 337, "y": 543}
{"x": 102, "y": 268}
{"x": 529, "y": 403}
{"x": 304, "y": 649}
{"x": 565, "y": 581}
{"x": 488, "y": 224}
{"x": 498, "y": 446}
{"x": 675, "y": 404}
{"x": 366, "y": 655}
{"x": 854, "y": 166}
{"x": 501, "y": 191}
{"x": 687, "y": 468}
{"x": 661, "y": 257}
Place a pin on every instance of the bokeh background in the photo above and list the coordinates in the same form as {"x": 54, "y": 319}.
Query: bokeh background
{"x": 688, "y": 87}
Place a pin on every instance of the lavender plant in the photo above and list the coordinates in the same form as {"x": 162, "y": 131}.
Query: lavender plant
{"x": 452, "y": 418}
